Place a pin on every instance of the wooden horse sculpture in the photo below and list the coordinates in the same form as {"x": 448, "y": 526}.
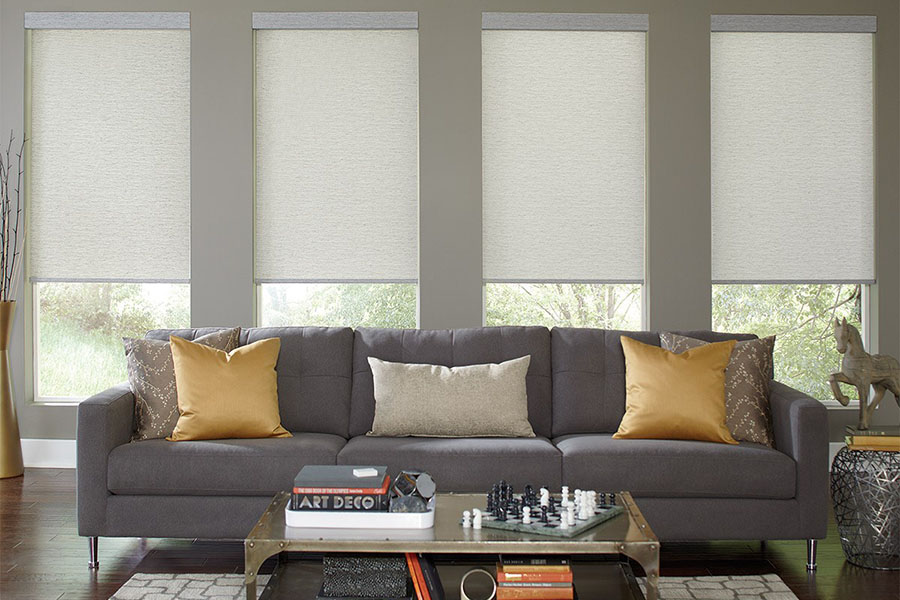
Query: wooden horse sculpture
{"x": 861, "y": 369}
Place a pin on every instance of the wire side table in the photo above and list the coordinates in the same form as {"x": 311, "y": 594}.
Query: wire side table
{"x": 865, "y": 490}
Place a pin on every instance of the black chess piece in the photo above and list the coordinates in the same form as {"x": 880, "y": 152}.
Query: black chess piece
{"x": 490, "y": 502}
{"x": 501, "y": 514}
{"x": 552, "y": 507}
{"x": 544, "y": 518}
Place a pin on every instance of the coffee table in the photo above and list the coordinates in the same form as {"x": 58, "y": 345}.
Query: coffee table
{"x": 627, "y": 535}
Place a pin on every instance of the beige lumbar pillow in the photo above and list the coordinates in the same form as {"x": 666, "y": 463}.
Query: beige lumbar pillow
{"x": 151, "y": 374}
{"x": 747, "y": 377}
{"x": 226, "y": 394}
{"x": 435, "y": 401}
{"x": 675, "y": 396}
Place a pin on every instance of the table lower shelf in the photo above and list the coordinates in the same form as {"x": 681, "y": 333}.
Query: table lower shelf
{"x": 607, "y": 579}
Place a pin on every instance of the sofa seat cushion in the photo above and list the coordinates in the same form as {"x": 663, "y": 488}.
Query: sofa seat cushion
{"x": 676, "y": 468}
{"x": 462, "y": 464}
{"x": 246, "y": 467}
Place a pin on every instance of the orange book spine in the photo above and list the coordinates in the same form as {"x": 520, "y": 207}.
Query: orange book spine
{"x": 426, "y": 594}
{"x": 566, "y": 593}
{"x": 505, "y": 577}
{"x": 411, "y": 564}
{"x": 534, "y": 568}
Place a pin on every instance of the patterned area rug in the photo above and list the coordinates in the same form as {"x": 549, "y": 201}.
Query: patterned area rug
{"x": 186, "y": 586}
{"x": 734, "y": 587}
{"x": 193, "y": 586}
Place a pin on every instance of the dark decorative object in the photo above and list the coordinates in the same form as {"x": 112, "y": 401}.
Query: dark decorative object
{"x": 364, "y": 576}
{"x": 865, "y": 489}
{"x": 411, "y": 491}
{"x": 408, "y": 504}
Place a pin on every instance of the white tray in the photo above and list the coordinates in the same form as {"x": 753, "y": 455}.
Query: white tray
{"x": 348, "y": 519}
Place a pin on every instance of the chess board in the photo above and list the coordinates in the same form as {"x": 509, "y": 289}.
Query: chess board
{"x": 604, "y": 513}
{"x": 505, "y": 510}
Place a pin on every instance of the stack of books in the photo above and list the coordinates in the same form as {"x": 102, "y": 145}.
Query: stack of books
{"x": 877, "y": 438}
{"x": 341, "y": 488}
{"x": 543, "y": 578}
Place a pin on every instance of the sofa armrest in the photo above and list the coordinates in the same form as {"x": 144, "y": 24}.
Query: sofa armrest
{"x": 105, "y": 421}
{"x": 800, "y": 426}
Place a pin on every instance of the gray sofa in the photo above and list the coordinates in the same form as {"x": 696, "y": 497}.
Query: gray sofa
{"x": 576, "y": 397}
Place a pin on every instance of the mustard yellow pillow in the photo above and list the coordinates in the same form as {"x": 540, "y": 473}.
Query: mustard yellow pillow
{"x": 226, "y": 394}
{"x": 675, "y": 396}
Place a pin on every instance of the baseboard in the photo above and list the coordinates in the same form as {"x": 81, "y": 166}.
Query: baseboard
{"x": 48, "y": 454}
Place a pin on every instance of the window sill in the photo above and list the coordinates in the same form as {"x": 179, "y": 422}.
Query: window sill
{"x": 57, "y": 401}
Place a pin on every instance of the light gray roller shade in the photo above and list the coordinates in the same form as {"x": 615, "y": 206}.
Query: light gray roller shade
{"x": 563, "y": 150}
{"x": 110, "y": 150}
{"x": 336, "y": 154}
{"x": 792, "y": 156}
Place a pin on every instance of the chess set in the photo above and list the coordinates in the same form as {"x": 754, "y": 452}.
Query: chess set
{"x": 540, "y": 512}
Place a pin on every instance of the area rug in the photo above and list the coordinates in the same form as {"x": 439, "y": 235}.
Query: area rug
{"x": 732, "y": 587}
{"x": 195, "y": 586}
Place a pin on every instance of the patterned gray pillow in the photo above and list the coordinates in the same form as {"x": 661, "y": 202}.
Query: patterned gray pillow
{"x": 151, "y": 373}
{"x": 747, "y": 412}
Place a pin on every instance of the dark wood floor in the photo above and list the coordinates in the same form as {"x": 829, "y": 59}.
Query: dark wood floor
{"x": 42, "y": 557}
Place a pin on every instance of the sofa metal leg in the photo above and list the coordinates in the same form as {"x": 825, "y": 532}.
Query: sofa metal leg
{"x": 811, "y": 554}
{"x": 94, "y": 559}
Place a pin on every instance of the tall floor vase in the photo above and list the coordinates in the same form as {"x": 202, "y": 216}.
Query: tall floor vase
{"x": 10, "y": 443}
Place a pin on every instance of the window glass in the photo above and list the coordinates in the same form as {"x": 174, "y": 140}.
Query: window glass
{"x": 79, "y": 329}
{"x": 801, "y": 316}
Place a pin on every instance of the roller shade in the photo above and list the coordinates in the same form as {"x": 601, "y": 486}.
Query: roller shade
{"x": 336, "y": 147}
{"x": 110, "y": 147}
{"x": 563, "y": 147}
{"x": 792, "y": 149}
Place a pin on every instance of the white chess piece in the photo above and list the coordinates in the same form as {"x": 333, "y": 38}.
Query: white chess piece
{"x": 563, "y": 523}
{"x": 545, "y": 497}
{"x": 565, "y": 496}
{"x": 526, "y": 515}
{"x": 467, "y": 519}
{"x": 570, "y": 515}
{"x": 476, "y": 521}
{"x": 592, "y": 502}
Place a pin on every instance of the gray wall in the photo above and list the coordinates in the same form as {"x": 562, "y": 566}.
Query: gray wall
{"x": 450, "y": 294}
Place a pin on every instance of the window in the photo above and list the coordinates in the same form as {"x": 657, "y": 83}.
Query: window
{"x": 792, "y": 183}
{"x": 337, "y": 167}
{"x": 338, "y": 304}
{"x": 801, "y": 316}
{"x": 563, "y": 99}
{"x": 80, "y": 326}
{"x": 109, "y": 201}
{"x": 606, "y": 306}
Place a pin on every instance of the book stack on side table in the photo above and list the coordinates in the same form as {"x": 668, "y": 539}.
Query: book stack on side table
{"x": 876, "y": 438}
{"x": 542, "y": 578}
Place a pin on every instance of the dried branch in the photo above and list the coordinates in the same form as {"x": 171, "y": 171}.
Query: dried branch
{"x": 11, "y": 240}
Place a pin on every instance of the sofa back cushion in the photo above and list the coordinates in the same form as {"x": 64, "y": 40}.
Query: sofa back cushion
{"x": 314, "y": 373}
{"x": 589, "y": 375}
{"x": 452, "y": 348}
